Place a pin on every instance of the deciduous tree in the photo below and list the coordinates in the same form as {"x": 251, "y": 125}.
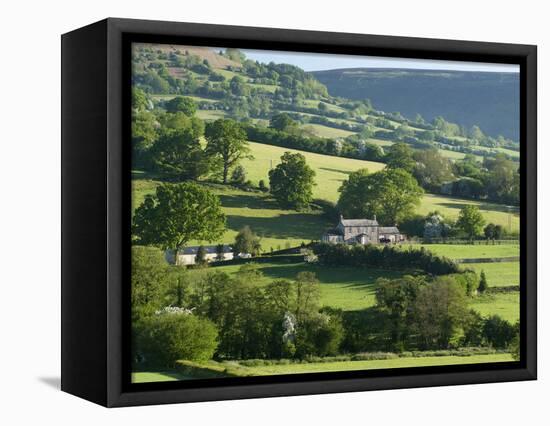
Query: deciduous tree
{"x": 292, "y": 181}
{"x": 177, "y": 214}
{"x": 226, "y": 142}
{"x": 470, "y": 221}
{"x": 181, "y": 104}
{"x": 390, "y": 194}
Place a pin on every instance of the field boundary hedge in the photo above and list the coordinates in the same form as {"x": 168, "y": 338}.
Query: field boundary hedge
{"x": 208, "y": 371}
{"x": 488, "y": 259}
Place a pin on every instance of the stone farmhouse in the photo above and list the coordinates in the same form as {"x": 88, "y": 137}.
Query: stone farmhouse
{"x": 362, "y": 231}
{"x": 188, "y": 254}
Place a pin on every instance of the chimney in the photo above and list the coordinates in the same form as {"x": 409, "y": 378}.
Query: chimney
{"x": 375, "y": 217}
{"x": 341, "y": 218}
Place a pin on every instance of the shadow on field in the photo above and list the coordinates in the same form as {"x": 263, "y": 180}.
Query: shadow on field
{"x": 304, "y": 226}
{"x": 250, "y": 201}
{"x": 347, "y": 276}
{"x": 328, "y": 169}
{"x": 482, "y": 206}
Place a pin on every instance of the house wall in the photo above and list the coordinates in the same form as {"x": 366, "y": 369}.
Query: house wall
{"x": 371, "y": 232}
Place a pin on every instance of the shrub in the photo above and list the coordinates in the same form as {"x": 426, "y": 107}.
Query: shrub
{"x": 262, "y": 186}
{"x": 482, "y": 283}
{"x": 319, "y": 335}
{"x": 164, "y": 338}
{"x": 389, "y": 257}
{"x": 238, "y": 176}
{"x": 498, "y": 333}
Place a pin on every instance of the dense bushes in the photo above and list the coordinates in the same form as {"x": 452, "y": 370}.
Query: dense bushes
{"x": 287, "y": 140}
{"x": 388, "y": 257}
{"x": 416, "y": 314}
{"x": 165, "y": 337}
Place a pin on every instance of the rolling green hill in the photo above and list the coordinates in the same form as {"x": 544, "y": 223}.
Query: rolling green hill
{"x": 489, "y": 100}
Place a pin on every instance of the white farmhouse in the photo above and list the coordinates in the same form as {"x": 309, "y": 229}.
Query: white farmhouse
{"x": 362, "y": 231}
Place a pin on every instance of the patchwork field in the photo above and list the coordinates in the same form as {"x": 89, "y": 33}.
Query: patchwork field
{"x": 348, "y": 289}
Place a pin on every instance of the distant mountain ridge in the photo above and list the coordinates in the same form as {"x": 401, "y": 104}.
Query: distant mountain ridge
{"x": 487, "y": 99}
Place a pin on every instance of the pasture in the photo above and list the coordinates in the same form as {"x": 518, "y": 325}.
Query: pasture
{"x": 327, "y": 132}
{"x": 346, "y": 288}
{"x": 498, "y": 214}
{"x": 473, "y": 251}
{"x": 157, "y": 376}
{"x": 499, "y": 274}
{"x": 373, "y": 364}
{"x": 330, "y": 171}
{"x": 506, "y": 305}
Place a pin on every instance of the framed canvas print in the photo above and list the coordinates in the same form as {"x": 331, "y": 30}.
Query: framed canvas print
{"x": 253, "y": 212}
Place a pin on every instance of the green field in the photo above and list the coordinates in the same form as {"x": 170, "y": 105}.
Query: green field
{"x": 157, "y": 376}
{"x": 328, "y": 132}
{"x": 351, "y": 289}
{"x": 374, "y": 364}
{"x": 506, "y": 305}
{"x": 277, "y": 227}
{"x": 498, "y": 274}
{"x": 346, "y": 288}
{"x": 269, "y": 88}
{"x": 473, "y": 251}
{"x": 319, "y": 367}
{"x": 330, "y": 171}
{"x": 498, "y": 214}
{"x": 210, "y": 114}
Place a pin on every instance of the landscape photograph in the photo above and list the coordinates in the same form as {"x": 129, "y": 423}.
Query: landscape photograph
{"x": 296, "y": 213}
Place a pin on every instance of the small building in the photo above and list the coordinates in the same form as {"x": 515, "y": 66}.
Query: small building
{"x": 362, "y": 231}
{"x": 187, "y": 256}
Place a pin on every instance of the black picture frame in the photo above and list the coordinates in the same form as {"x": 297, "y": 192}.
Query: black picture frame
{"x": 96, "y": 197}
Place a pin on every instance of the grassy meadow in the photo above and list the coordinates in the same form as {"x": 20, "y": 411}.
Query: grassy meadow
{"x": 499, "y": 274}
{"x": 506, "y": 305}
{"x": 345, "y": 288}
{"x": 475, "y": 251}
{"x": 374, "y": 364}
{"x": 330, "y": 171}
{"x": 498, "y": 214}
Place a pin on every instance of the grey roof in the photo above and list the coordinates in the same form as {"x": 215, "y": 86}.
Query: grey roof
{"x": 359, "y": 222}
{"x": 208, "y": 249}
{"x": 388, "y": 230}
{"x": 333, "y": 232}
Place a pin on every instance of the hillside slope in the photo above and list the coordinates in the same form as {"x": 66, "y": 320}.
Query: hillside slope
{"x": 489, "y": 100}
